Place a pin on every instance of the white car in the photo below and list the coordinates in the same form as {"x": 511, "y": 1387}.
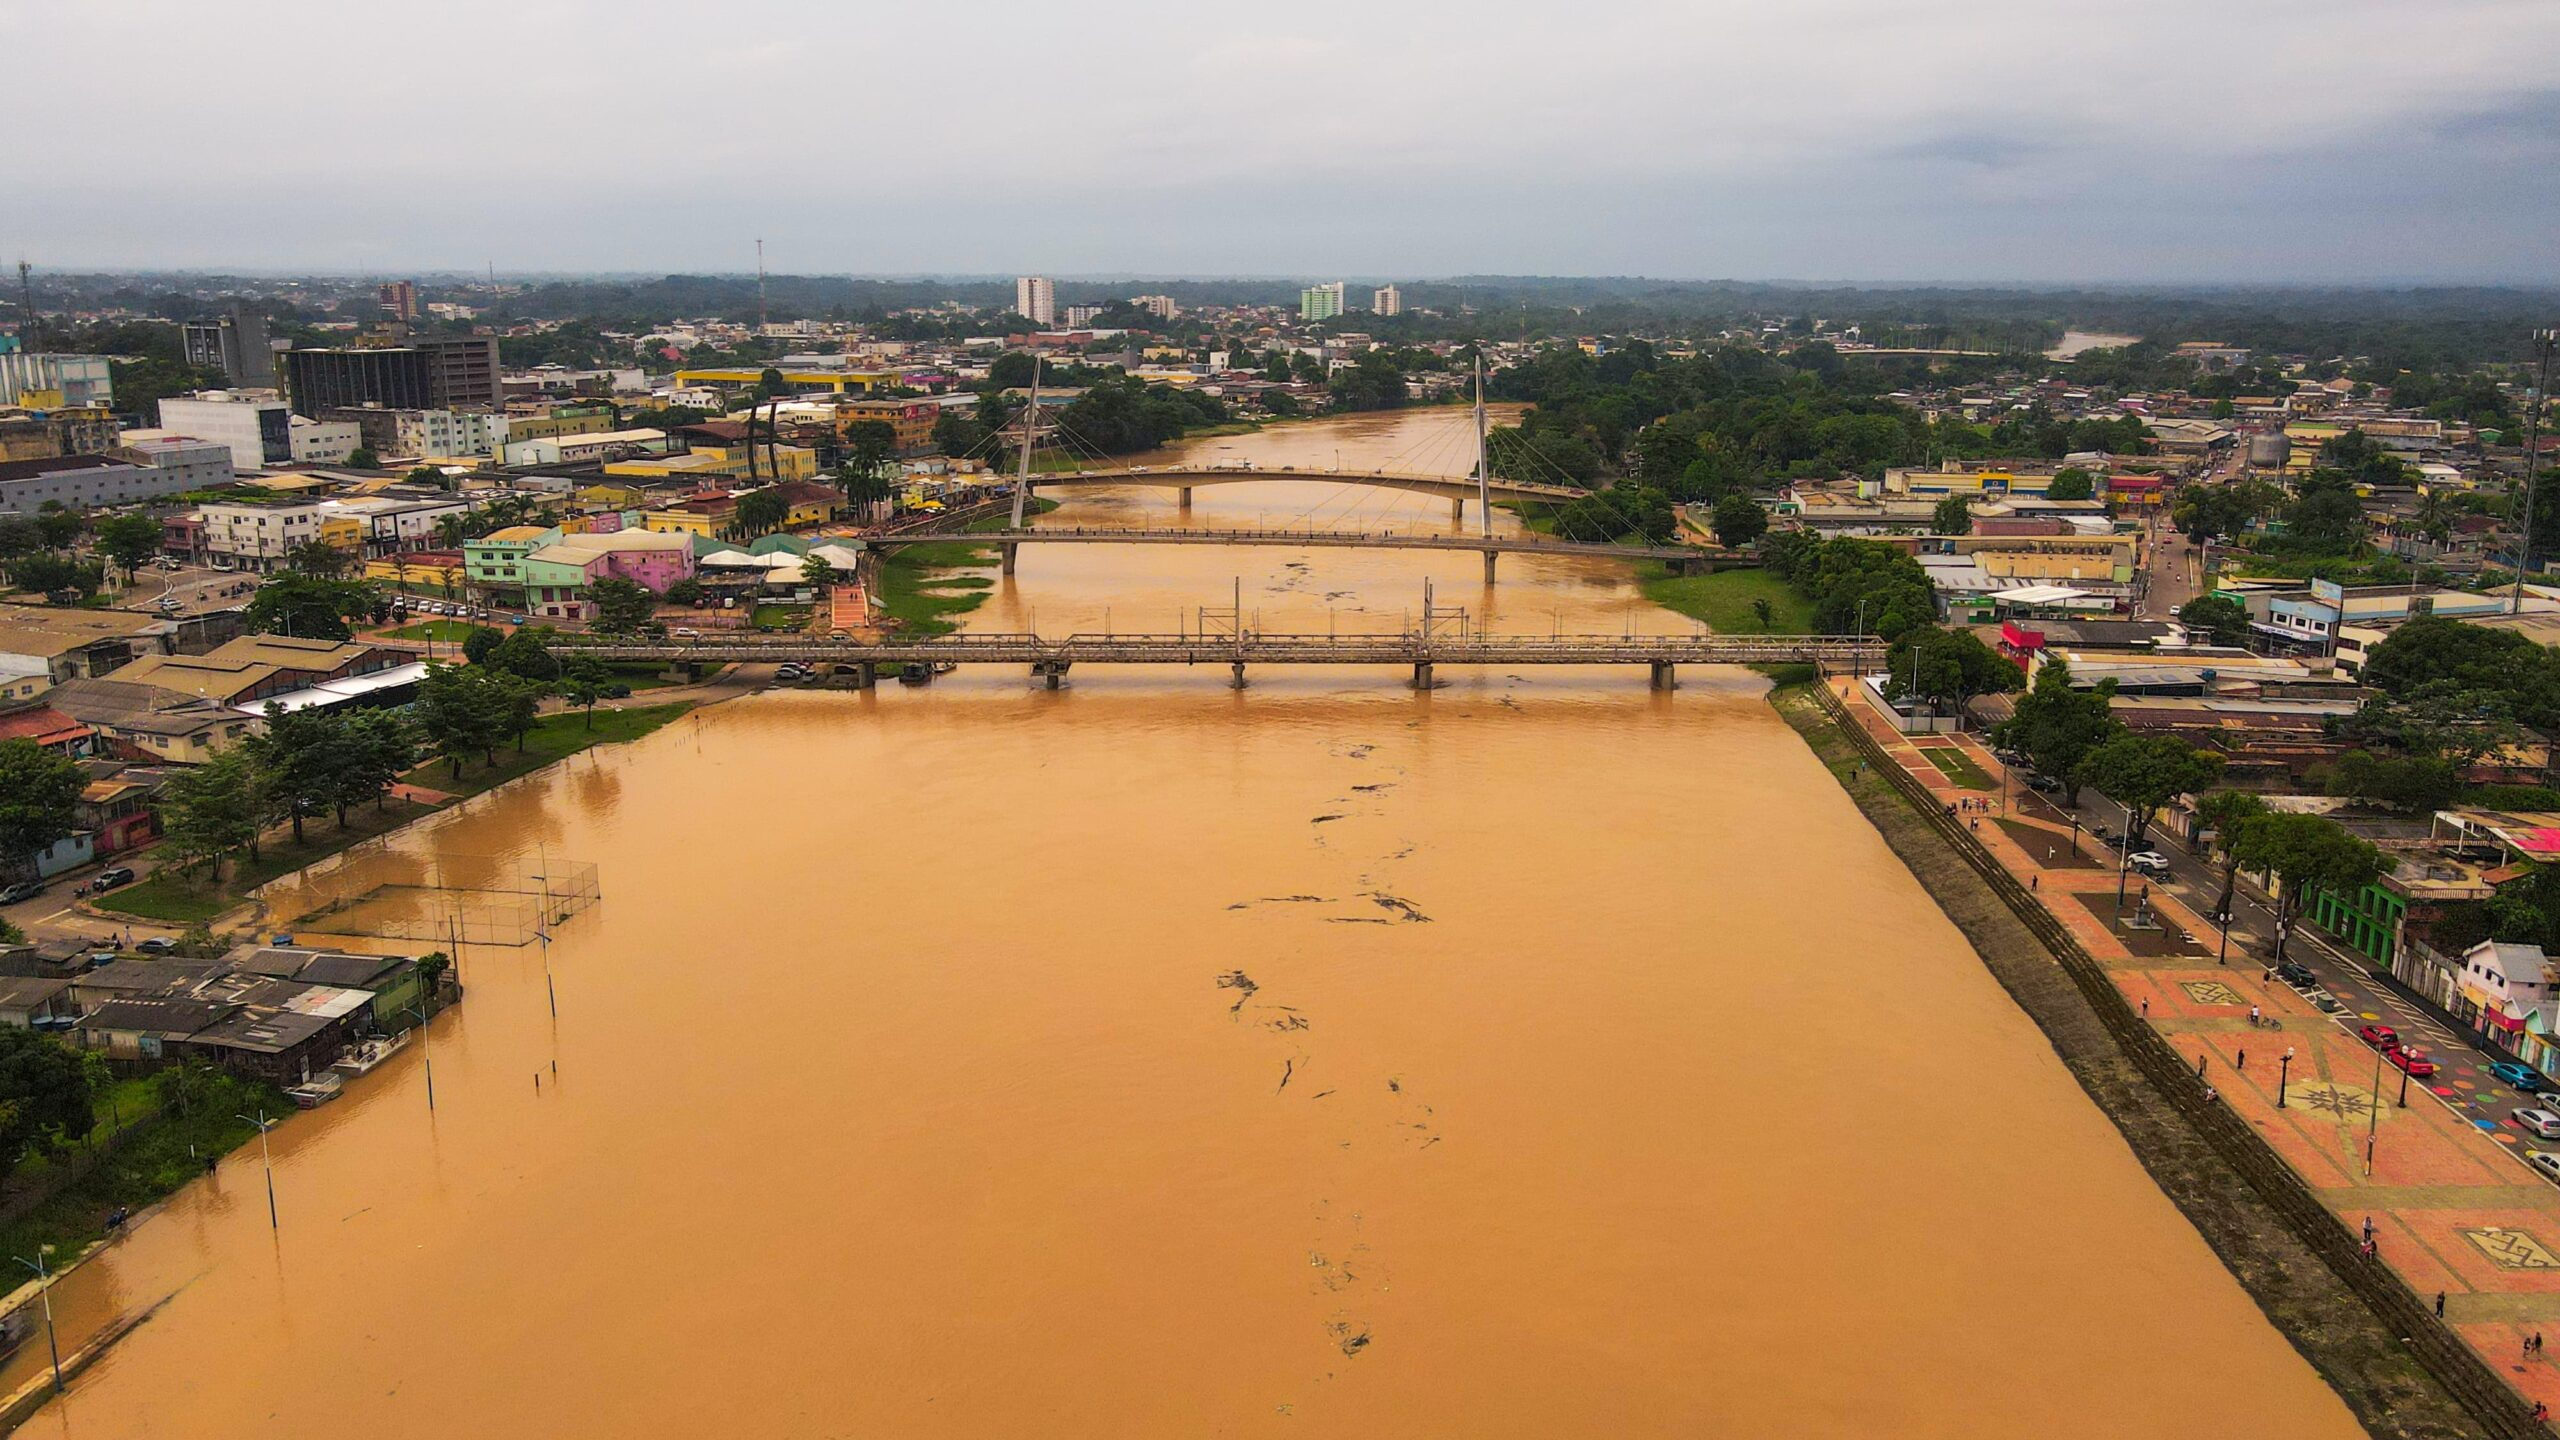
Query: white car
{"x": 2539, "y": 1122}
{"x": 687, "y": 632}
{"x": 2546, "y": 1161}
{"x": 2149, "y": 862}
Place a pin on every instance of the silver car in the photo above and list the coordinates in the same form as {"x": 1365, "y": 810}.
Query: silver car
{"x": 2539, "y": 1122}
{"x": 2546, "y": 1161}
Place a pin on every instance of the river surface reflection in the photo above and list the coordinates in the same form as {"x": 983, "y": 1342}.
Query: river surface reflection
{"x": 1536, "y": 1056}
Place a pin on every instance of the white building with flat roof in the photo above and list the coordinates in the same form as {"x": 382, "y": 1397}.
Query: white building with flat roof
{"x": 1036, "y": 298}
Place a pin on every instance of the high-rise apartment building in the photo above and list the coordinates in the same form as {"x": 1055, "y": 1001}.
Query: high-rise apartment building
{"x": 236, "y": 345}
{"x": 1160, "y": 306}
{"x": 1387, "y": 300}
{"x": 400, "y": 300}
{"x": 1036, "y": 299}
{"x": 1320, "y": 302}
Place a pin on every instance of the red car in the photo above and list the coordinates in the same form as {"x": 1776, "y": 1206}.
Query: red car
{"x": 2380, "y": 1037}
{"x": 2413, "y": 1061}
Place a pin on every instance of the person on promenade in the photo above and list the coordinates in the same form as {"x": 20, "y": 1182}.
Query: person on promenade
{"x": 2253, "y": 1021}
{"x": 2439, "y": 1304}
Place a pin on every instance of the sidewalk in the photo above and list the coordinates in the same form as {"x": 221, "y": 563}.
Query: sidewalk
{"x": 2440, "y": 1178}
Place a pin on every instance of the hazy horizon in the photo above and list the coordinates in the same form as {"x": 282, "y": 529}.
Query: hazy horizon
{"x": 2001, "y": 143}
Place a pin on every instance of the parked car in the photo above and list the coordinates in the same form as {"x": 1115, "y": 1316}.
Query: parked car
{"x": 156, "y": 945}
{"x": 791, "y": 670}
{"x": 2295, "y": 973}
{"x": 2326, "y": 1003}
{"x": 2149, "y": 862}
{"x": 2044, "y": 783}
{"x": 2539, "y": 1122}
{"x": 2519, "y": 1075}
{"x": 23, "y": 890}
{"x": 2546, "y": 1161}
{"x": 2380, "y": 1037}
{"x": 687, "y": 632}
{"x": 2415, "y": 1062}
{"x": 2102, "y": 835}
{"x": 111, "y": 877}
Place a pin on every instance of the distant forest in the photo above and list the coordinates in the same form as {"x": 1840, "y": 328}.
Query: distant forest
{"x": 2414, "y": 328}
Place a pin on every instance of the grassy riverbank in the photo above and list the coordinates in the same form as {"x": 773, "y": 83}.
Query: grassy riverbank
{"x": 919, "y": 588}
{"x": 167, "y": 1128}
{"x": 2377, "y": 1376}
{"x": 1724, "y": 600}
{"x": 553, "y": 738}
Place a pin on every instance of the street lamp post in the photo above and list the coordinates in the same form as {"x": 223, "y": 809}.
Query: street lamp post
{"x": 2284, "y": 1075}
{"x": 267, "y": 1162}
{"x": 44, "y": 1287}
{"x": 2404, "y": 1086}
{"x": 2373, "y": 1118}
{"x": 425, "y": 1054}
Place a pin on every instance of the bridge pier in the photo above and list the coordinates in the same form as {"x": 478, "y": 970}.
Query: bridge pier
{"x": 1489, "y": 557}
{"x": 1183, "y": 497}
{"x": 1665, "y": 675}
{"x": 1458, "y": 507}
{"x": 1422, "y": 675}
{"x": 1052, "y": 671}
{"x": 1235, "y": 680}
{"x": 1009, "y": 549}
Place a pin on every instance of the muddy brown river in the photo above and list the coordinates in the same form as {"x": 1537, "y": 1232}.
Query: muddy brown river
{"x": 1537, "y": 1056}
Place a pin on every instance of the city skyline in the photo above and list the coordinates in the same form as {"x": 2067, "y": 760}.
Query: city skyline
{"x": 2179, "y": 143}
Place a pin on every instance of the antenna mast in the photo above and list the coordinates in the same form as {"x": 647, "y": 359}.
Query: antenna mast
{"x": 761, "y": 318}
{"x": 26, "y": 309}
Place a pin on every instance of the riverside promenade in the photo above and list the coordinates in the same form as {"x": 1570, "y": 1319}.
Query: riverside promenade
{"x": 2454, "y": 1208}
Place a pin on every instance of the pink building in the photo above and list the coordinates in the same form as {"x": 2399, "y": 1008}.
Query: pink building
{"x": 557, "y": 576}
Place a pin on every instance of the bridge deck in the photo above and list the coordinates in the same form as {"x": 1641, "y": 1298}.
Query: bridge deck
{"x": 1249, "y": 649}
{"x": 1188, "y": 476}
{"x": 1346, "y": 539}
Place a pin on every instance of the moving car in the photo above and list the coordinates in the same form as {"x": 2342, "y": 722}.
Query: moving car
{"x": 2380, "y": 1037}
{"x": 111, "y": 877}
{"x": 2519, "y": 1075}
{"x": 23, "y": 890}
{"x": 2415, "y": 1062}
{"x": 2149, "y": 862}
{"x": 2540, "y": 1122}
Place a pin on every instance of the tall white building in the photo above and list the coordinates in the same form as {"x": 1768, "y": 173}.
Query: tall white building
{"x": 1320, "y": 302}
{"x": 1160, "y": 306}
{"x": 1035, "y": 297}
{"x": 1387, "y": 300}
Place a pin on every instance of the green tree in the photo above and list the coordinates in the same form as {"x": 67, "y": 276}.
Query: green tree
{"x": 2056, "y": 725}
{"x": 816, "y": 572}
{"x": 45, "y": 1095}
{"x": 128, "y": 540}
{"x": 2408, "y": 783}
{"x": 60, "y": 526}
{"x": 1945, "y": 668}
{"x": 525, "y": 654}
{"x": 622, "y": 606}
{"x": 2144, "y": 772}
{"x": 2325, "y": 517}
{"x": 2224, "y": 812}
{"x": 1739, "y": 520}
{"x": 308, "y": 607}
{"x": 1763, "y": 612}
{"x": 461, "y": 711}
{"x": 481, "y": 641}
{"x": 2432, "y": 652}
{"x": 770, "y": 384}
{"x": 39, "y": 801}
{"x": 1954, "y": 516}
{"x": 319, "y": 557}
{"x": 363, "y": 458}
{"x": 582, "y": 683}
{"x": 2219, "y": 620}
{"x": 959, "y": 436}
{"x": 304, "y": 755}
{"x": 2071, "y": 483}
{"x": 208, "y": 811}
{"x": 2306, "y": 854}
{"x": 50, "y": 571}
{"x": 761, "y": 512}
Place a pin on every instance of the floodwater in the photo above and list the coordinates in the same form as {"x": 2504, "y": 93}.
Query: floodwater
{"x": 1538, "y": 1056}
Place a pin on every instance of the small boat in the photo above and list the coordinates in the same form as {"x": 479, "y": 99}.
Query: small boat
{"x": 915, "y": 673}
{"x": 364, "y": 1055}
{"x": 317, "y": 1091}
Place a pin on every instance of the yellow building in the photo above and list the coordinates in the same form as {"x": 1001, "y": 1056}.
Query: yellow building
{"x": 720, "y": 462}
{"x": 606, "y": 495}
{"x": 341, "y": 532}
{"x": 680, "y": 522}
{"x": 836, "y": 380}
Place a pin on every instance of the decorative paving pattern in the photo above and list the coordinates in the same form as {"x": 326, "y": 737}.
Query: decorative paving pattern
{"x": 2333, "y": 1099}
{"x": 2512, "y": 1249}
{"x": 2211, "y": 992}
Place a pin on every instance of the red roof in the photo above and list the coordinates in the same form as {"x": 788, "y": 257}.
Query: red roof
{"x": 44, "y": 725}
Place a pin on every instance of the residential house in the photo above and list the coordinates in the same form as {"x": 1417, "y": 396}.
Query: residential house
{"x": 58, "y": 643}
{"x": 148, "y": 724}
{"x": 49, "y": 728}
{"x": 559, "y": 576}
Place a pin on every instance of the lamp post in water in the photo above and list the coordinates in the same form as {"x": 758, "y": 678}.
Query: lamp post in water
{"x": 266, "y": 1162}
{"x": 425, "y": 1054}
{"x": 44, "y": 1287}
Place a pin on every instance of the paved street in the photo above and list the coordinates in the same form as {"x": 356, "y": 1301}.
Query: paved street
{"x": 2432, "y": 1164}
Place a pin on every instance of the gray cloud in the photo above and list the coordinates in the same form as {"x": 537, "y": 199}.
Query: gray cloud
{"x": 1874, "y": 139}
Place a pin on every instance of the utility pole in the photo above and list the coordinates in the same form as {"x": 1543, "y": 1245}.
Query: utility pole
{"x": 2533, "y": 459}
{"x": 26, "y": 308}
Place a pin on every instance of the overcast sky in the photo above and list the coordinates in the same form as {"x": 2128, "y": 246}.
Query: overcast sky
{"x": 2032, "y": 140}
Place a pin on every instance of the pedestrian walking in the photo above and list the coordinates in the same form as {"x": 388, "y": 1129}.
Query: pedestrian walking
{"x": 2241, "y": 1063}
{"x": 2033, "y": 881}
{"x": 2368, "y": 1229}
{"x": 2537, "y": 1342}
{"x": 2439, "y": 1304}
{"x": 2253, "y": 1021}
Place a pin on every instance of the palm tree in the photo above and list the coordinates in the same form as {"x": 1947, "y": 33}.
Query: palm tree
{"x": 2223, "y": 811}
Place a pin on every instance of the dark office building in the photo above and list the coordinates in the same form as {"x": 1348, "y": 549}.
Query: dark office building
{"x": 444, "y": 374}
{"x": 236, "y": 345}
